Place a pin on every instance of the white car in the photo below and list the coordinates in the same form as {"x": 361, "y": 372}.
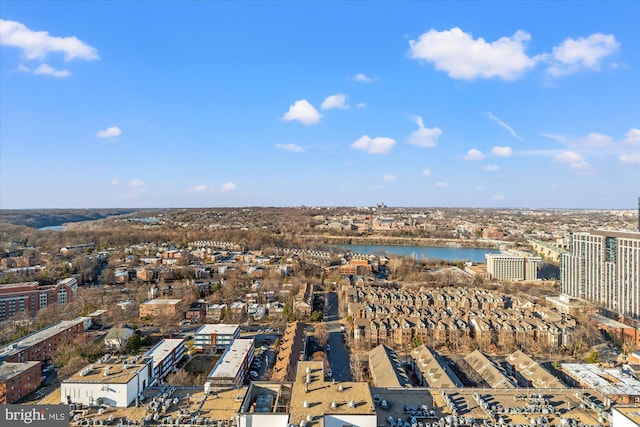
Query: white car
{"x": 253, "y": 374}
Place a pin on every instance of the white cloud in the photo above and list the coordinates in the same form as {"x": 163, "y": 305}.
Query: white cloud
{"x": 335, "y": 101}
{"x": 497, "y": 197}
{"x": 474, "y": 154}
{"x": 575, "y": 160}
{"x": 463, "y": 57}
{"x": 110, "y": 132}
{"x": 501, "y": 151}
{"x": 37, "y": 44}
{"x": 377, "y": 187}
{"x": 424, "y": 137}
{"x": 561, "y": 139}
{"x": 227, "y": 187}
{"x": 441, "y": 184}
{"x": 387, "y": 177}
{"x": 362, "y": 78}
{"x": 573, "y": 55}
{"x": 50, "y": 71}
{"x": 426, "y": 172}
{"x": 491, "y": 168}
{"x": 378, "y": 145}
{"x": 554, "y": 185}
{"x": 114, "y": 182}
{"x": 632, "y": 137}
{"x": 290, "y": 147}
{"x": 303, "y": 112}
{"x": 593, "y": 140}
{"x": 504, "y": 125}
{"x": 630, "y": 158}
{"x": 136, "y": 183}
{"x": 198, "y": 188}
{"x": 361, "y": 105}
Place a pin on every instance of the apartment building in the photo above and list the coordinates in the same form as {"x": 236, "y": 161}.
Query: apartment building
{"x": 17, "y": 380}
{"x": 29, "y": 297}
{"x": 603, "y": 267}
{"x": 231, "y": 369}
{"x": 512, "y": 266}
{"x": 161, "y": 307}
{"x": 215, "y": 337}
{"x": 166, "y": 355}
{"x": 41, "y": 345}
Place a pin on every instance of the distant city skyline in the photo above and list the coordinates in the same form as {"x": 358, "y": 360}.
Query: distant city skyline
{"x": 214, "y": 104}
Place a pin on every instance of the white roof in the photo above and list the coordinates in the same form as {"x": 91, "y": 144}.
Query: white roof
{"x": 231, "y": 361}
{"x": 602, "y": 379}
{"x": 163, "y": 349}
{"x": 218, "y": 329}
{"x": 162, "y": 301}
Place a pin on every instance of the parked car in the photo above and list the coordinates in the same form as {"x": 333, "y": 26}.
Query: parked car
{"x": 254, "y": 374}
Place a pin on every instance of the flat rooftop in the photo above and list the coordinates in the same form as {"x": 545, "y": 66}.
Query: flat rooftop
{"x": 610, "y": 322}
{"x": 565, "y": 404}
{"x": 322, "y": 394}
{"x": 9, "y": 370}
{"x": 218, "y": 329}
{"x": 609, "y": 381}
{"x": 231, "y": 361}
{"x": 631, "y": 412}
{"x": 19, "y": 285}
{"x": 220, "y": 404}
{"x": 163, "y": 349}
{"x": 119, "y": 371}
{"x": 37, "y": 337}
{"x": 161, "y": 301}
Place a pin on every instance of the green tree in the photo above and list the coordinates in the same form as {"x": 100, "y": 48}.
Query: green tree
{"x": 133, "y": 344}
{"x": 416, "y": 341}
{"x": 593, "y": 357}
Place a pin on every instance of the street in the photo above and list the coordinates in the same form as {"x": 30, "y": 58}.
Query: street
{"x": 338, "y": 355}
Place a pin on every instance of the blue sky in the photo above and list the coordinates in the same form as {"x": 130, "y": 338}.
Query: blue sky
{"x": 198, "y": 104}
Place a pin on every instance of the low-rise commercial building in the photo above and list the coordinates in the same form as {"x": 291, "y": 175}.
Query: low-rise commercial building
{"x": 309, "y": 400}
{"x": 617, "y": 385}
{"x": 112, "y": 382}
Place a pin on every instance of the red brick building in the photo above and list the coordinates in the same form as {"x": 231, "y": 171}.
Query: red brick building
{"x": 18, "y": 380}
{"x": 42, "y": 344}
{"x": 29, "y": 297}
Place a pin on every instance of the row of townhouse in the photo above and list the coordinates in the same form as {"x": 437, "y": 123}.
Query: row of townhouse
{"x": 400, "y": 331}
{"x": 453, "y": 316}
{"x": 470, "y": 298}
{"x": 292, "y": 345}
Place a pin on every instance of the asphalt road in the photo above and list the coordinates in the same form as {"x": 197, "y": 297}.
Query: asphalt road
{"x": 338, "y": 354}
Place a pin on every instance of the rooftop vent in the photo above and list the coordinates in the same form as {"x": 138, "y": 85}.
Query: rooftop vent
{"x": 352, "y": 404}
{"x": 334, "y": 405}
{"x": 305, "y": 404}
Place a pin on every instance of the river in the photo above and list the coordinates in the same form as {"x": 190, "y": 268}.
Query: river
{"x": 446, "y": 253}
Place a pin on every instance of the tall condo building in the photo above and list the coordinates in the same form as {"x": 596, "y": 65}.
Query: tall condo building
{"x": 512, "y": 266}
{"x": 603, "y": 267}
